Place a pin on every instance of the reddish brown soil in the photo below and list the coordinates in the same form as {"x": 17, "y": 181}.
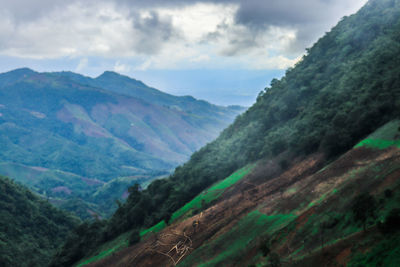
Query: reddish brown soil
{"x": 388, "y": 181}
{"x": 341, "y": 259}
{"x": 303, "y": 218}
{"x": 266, "y": 193}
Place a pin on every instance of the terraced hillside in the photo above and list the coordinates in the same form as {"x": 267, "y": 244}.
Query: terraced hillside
{"x": 303, "y": 216}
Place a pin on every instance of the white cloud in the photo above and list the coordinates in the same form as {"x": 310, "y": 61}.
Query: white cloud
{"x": 199, "y": 19}
{"x": 276, "y": 62}
{"x": 78, "y": 30}
{"x": 121, "y": 68}
{"x": 201, "y": 58}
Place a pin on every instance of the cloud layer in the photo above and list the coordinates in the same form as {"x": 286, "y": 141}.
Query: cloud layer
{"x": 175, "y": 34}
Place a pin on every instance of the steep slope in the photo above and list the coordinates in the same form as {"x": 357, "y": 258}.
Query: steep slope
{"x": 30, "y": 228}
{"x": 303, "y": 216}
{"x": 346, "y": 87}
{"x": 65, "y": 139}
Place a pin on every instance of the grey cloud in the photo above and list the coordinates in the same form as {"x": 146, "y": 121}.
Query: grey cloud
{"x": 27, "y": 10}
{"x": 153, "y": 31}
{"x": 310, "y": 18}
{"x": 279, "y": 12}
{"x": 239, "y": 45}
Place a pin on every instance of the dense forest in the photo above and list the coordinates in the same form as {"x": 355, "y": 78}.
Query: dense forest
{"x": 30, "y": 228}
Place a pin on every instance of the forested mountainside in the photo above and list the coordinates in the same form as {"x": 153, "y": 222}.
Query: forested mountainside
{"x": 70, "y": 137}
{"x": 344, "y": 88}
{"x": 346, "y": 213}
{"x": 30, "y": 228}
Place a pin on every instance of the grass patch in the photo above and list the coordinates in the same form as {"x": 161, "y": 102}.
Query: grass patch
{"x": 107, "y": 249}
{"x": 214, "y": 192}
{"x": 154, "y": 229}
{"x": 385, "y": 137}
{"x": 378, "y": 143}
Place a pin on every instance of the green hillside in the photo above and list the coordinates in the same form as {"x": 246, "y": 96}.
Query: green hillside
{"x": 343, "y": 89}
{"x": 30, "y": 228}
{"x": 66, "y": 136}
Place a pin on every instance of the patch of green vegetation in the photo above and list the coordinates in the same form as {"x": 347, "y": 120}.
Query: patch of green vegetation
{"x": 214, "y": 192}
{"x": 378, "y": 143}
{"x": 154, "y": 229}
{"x": 97, "y": 257}
{"x": 231, "y": 245}
{"x": 385, "y": 137}
{"x": 385, "y": 253}
{"x": 106, "y": 249}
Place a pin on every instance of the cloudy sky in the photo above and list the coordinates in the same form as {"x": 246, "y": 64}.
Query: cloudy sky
{"x": 223, "y": 51}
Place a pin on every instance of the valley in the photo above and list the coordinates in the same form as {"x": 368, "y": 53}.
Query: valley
{"x": 71, "y": 138}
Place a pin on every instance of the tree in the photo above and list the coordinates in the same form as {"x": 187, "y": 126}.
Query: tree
{"x": 265, "y": 249}
{"x": 167, "y": 217}
{"x": 134, "y": 237}
{"x": 363, "y": 208}
{"x": 392, "y": 222}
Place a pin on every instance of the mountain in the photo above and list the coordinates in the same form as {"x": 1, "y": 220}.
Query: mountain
{"x": 296, "y": 179}
{"x": 262, "y": 215}
{"x": 120, "y": 84}
{"x": 66, "y": 136}
{"x": 30, "y": 228}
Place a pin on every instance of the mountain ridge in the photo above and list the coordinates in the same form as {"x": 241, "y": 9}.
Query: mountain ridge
{"x": 51, "y": 121}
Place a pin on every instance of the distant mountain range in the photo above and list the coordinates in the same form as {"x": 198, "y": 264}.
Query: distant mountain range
{"x": 68, "y": 136}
